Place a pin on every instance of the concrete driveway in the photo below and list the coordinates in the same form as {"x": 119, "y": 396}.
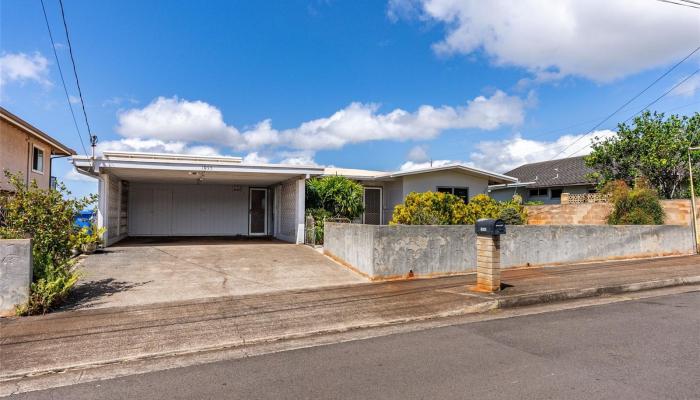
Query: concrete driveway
{"x": 142, "y": 271}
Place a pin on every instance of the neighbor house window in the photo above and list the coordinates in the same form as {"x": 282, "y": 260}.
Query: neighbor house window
{"x": 37, "y": 160}
{"x": 461, "y": 192}
{"x": 538, "y": 192}
{"x": 556, "y": 193}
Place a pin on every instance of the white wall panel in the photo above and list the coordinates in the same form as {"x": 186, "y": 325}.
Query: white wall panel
{"x": 187, "y": 210}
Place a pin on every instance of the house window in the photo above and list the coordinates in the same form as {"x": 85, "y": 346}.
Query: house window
{"x": 461, "y": 192}
{"x": 37, "y": 160}
{"x": 538, "y": 192}
{"x": 556, "y": 193}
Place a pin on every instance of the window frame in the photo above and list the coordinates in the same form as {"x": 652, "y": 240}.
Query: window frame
{"x": 35, "y": 147}
{"x": 551, "y": 193}
{"x": 539, "y": 192}
{"x": 452, "y": 191}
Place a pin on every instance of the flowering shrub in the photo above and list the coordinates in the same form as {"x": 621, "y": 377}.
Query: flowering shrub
{"x": 435, "y": 208}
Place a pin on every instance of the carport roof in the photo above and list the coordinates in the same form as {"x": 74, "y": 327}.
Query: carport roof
{"x": 155, "y": 167}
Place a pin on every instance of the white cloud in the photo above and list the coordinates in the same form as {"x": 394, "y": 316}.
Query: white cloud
{"x": 155, "y": 146}
{"x": 688, "y": 88}
{"x": 255, "y": 158}
{"x": 73, "y": 99}
{"x": 417, "y": 154}
{"x": 20, "y": 67}
{"x": 170, "y": 119}
{"x": 174, "y": 119}
{"x": 410, "y": 165}
{"x": 75, "y": 176}
{"x": 118, "y": 101}
{"x": 504, "y": 155}
{"x": 597, "y": 39}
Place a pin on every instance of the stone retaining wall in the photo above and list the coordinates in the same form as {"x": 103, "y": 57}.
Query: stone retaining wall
{"x": 392, "y": 252}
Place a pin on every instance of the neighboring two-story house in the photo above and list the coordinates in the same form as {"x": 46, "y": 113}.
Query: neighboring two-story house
{"x": 546, "y": 181}
{"x": 27, "y": 150}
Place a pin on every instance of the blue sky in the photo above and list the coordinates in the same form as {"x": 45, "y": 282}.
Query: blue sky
{"x": 369, "y": 84}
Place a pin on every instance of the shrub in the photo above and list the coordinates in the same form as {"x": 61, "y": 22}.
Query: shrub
{"x": 340, "y": 196}
{"x": 435, "y": 208}
{"x": 47, "y": 217}
{"x": 430, "y": 208}
{"x": 320, "y": 216}
{"x": 638, "y": 206}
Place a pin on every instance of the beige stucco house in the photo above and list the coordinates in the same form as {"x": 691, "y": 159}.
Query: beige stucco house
{"x": 28, "y": 150}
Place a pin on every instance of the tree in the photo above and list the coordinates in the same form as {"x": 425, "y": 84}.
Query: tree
{"x": 338, "y": 195}
{"x": 653, "y": 147}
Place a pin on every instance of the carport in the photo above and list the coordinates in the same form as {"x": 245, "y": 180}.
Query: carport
{"x": 166, "y": 195}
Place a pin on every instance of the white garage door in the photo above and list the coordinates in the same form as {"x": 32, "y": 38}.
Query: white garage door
{"x": 187, "y": 210}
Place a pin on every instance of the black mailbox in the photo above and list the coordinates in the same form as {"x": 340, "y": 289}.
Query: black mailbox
{"x": 490, "y": 227}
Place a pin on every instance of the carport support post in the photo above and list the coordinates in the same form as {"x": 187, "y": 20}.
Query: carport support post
{"x": 488, "y": 263}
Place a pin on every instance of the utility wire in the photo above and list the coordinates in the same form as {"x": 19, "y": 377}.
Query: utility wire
{"x": 635, "y": 97}
{"x": 652, "y": 103}
{"x": 93, "y": 138}
{"x": 60, "y": 72}
{"x": 679, "y": 4}
{"x": 664, "y": 94}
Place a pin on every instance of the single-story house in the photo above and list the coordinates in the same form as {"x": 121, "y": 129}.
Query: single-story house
{"x": 149, "y": 194}
{"x": 546, "y": 181}
{"x": 26, "y": 149}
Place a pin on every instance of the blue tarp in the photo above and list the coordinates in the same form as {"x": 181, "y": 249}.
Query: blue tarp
{"x": 85, "y": 218}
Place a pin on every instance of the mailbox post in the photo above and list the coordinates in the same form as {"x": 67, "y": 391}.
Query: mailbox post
{"x": 488, "y": 254}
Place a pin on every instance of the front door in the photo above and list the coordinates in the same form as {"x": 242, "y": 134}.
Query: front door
{"x": 373, "y": 206}
{"x": 257, "y": 215}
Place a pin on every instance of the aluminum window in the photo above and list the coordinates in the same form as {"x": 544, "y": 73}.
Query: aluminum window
{"x": 37, "y": 160}
{"x": 461, "y": 192}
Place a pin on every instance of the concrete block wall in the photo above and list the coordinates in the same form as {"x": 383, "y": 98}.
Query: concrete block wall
{"x": 558, "y": 244}
{"x": 678, "y": 212}
{"x": 15, "y": 273}
{"x": 402, "y": 251}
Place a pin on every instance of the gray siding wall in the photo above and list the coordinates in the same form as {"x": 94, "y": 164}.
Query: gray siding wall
{"x": 507, "y": 194}
{"x": 394, "y": 192}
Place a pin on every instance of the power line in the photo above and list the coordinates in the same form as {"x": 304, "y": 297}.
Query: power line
{"x": 630, "y": 101}
{"x": 650, "y": 104}
{"x": 664, "y": 94}
{"x": 93, "y": 138}
{"x": 679, "y": 4}
{"x": 60, "y": 72}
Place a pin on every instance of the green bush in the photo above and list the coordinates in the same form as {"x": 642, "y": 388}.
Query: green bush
{"x": 638, "y": 206}
{"x": 430, "y": 208}
{"x": 320, "y": 216}
{"x": 46, "y": 216}
{"x": 340, "y": 196}
{"x": 434, "y": 208}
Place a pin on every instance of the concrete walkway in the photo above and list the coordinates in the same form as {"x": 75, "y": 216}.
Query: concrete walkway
{"x": 74, "y": 339}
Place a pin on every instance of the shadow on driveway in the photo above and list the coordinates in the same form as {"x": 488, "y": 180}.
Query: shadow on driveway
{"x": 93, "y": 293}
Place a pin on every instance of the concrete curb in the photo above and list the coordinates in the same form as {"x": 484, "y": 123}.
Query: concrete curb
{"x": 485, "y": 306}
{"x": 571, "y": 294}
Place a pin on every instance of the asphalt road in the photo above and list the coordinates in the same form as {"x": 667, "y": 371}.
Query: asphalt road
{"x": 643, "y": 349}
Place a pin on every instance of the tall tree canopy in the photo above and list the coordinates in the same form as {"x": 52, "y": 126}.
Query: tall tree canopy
{"x": 654, "y": 147}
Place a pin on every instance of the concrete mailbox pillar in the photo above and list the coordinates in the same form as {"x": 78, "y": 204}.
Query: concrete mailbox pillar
{"x": 488, "y": 254}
